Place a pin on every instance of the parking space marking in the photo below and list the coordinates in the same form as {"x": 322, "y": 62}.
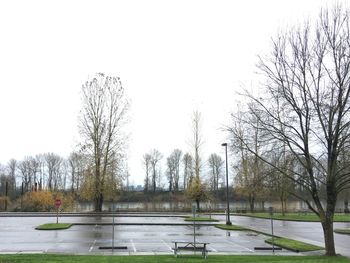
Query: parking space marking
{"x": 133, "y": 245}
{"x": 167, "y": 245}
{"x": 245, "y": 248}
{"x": 92, "y": 247}
{"x": 212, "y": 249}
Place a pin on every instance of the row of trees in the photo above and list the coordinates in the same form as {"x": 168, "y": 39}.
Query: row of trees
{"x": 180, "y": 171}
{"x": 47, "y": 171}
{"x": 184, "y": 172}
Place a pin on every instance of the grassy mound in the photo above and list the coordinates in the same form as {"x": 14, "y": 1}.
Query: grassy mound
{"x": 232, "y": 227}
{"x": 292, "y": 245}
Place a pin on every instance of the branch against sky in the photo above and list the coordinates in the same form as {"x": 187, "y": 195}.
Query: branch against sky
{"x": 102, "y": 118}
{"x": 305, "y": 107}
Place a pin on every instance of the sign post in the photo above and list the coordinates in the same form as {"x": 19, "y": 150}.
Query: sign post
{"x": 57, "y": 204}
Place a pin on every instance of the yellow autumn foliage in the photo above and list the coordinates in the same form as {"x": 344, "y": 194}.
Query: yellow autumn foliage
{"x": 44, "y": 201}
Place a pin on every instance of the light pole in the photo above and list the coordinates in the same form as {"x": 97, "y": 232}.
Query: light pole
{"x": 228, "y": 222}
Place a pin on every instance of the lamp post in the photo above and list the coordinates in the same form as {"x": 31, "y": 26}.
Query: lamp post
{"x": 228, "y": 222}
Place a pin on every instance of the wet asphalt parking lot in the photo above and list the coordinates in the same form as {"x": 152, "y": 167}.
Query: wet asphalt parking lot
{"x": 149, "y": 234}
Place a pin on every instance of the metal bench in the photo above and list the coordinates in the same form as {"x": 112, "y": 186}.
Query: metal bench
{"x": 191, "y": 246}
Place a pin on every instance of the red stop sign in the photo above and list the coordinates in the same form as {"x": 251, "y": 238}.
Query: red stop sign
{"x": 58, "y": 202}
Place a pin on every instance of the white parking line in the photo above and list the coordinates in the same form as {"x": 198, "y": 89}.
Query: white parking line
{"x": 234, "y": 243}
{"x": 212, "y": 249}
{"x": 133, "y": 245}
{"x": 92, "y": 247}
{"x": 167, "y": 245}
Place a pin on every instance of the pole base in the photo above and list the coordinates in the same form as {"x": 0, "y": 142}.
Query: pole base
{"x": 228, "y": 223}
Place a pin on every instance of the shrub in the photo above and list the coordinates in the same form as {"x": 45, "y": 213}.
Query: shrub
{"x": 44, "y": 201}
{"x": 41, "y": 201}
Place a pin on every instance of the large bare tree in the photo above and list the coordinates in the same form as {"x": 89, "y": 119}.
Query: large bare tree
{"x": 306, "y": 107}
{"x": 102, "y": 118}
{"x": 196, "y": 189}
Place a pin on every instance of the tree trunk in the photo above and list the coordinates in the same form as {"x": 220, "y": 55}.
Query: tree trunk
{"x": 282, "y": 207}
{"x": 327, "y": 225}
{"x": 198, "y": 208}
{"x": 98, "y": 202}
{"x": 251, "y": 203}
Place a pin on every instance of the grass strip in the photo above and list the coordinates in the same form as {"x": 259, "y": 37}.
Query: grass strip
{"x": 304, "y": 217}
{"x": 201, "y": 219}
{"x": 290, "y": 244}
{"x": 53, "y": 258}
{"x": 293, "y": 245}
{"x": 345, "y": 231}
{"x": 232, "y": 227}
{"x": 52, "y": 226}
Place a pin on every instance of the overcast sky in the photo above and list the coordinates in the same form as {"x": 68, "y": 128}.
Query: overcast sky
{"x": 173, "y": 57}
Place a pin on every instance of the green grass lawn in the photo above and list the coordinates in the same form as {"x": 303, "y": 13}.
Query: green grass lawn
{"x": 201, "y": 219}
{"x": 308, "y": 217}
{"x": 286, "y": 243}
{"x": 52, "y": 226}
{"x": 51, "y": 258}
{"x": 293, "y": 245}
{"x": 345, "y": 231}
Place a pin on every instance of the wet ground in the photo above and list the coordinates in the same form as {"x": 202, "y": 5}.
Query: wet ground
{"x": 148, "y": 234}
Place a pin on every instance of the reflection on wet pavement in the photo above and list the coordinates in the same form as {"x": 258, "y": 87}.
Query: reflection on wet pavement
{"x": 18, "y": 234}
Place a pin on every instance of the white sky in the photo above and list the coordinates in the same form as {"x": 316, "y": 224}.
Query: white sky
{"x": 173, "y": 57}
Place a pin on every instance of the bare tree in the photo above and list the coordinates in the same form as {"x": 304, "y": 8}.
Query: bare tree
{"x": 40, "y": 159}
{"x": 306, "y": 106}
{"x": 28, "y": 168}
{"x": 54, "y": 168}
{"x": 76, "y": 169}
{"x": 147, "y": 167}
{"x": 280, "y": 185}
{"x": 251, "y": 172}
{"x": 196, "y": 189}
{"x": 215, "y": 164}
{"x": 170, "y": 173}
{"x": 102, "y": 118}
{"x": 197, "y": 142}
{"x": 12, "y": 172}
{"x": 187, "y": 162}
{"x": 156, "y": 156}
{"x": 3, "y": 182}
{"x": 173, "y": 162}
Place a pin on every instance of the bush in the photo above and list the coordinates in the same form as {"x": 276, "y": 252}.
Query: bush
{"x": 3, "y": 201}
{"x": 44, "y": 201}
{"x": 41, "y": 201}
